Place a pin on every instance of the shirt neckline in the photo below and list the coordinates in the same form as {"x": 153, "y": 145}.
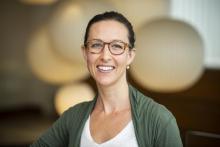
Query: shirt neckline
{"x": 120, "y": 135}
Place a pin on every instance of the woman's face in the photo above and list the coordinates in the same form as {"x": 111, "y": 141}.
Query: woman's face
{"x": 106, "y": 68}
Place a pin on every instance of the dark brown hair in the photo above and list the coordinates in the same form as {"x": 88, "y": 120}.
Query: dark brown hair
{"x": 112, "y": 15}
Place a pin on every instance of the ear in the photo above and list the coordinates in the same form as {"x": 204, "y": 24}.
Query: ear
{"x": 83, "y": 49}
{"x": 131, "y": 55}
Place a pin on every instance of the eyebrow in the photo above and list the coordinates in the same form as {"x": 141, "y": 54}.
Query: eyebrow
{"x": 109, "y": 41}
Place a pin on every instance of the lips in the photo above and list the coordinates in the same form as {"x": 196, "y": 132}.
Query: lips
{"x": 105, "y": 68}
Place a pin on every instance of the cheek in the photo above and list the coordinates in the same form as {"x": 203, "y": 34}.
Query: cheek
{"x": 90, "y": 60}
{"x": 123, "y": 61}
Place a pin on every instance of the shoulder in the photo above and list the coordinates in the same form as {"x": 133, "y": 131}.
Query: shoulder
{"x": 156, "y": 120}
{"x": 79, "y": 108}
{"x": 77, "y": 111}
{"x": 149, "y": 109}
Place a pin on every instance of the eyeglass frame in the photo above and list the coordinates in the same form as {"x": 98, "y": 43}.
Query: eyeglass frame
{"x": 108, "y": 43}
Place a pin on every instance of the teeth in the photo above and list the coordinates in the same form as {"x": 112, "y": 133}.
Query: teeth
{"x": 105, "y": 68}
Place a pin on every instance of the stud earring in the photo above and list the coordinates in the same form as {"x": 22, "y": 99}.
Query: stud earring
{"x": 127, "y": 67}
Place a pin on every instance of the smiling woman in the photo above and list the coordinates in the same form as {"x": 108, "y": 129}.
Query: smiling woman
{"x": 119, "y": 115}
{"x": 107, "y": 64}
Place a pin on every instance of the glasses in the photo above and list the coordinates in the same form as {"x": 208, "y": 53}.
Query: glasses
{"x": 116, "y": 47}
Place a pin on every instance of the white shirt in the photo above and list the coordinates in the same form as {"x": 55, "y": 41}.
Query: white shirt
{"x": 125, "y": 138}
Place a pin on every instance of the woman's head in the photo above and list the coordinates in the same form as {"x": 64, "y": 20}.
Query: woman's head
{"x": 109, "y": 48}
{"x": 112, "y": 16}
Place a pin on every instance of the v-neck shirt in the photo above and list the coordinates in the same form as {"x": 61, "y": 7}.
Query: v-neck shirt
{"x": 126, "y": 137}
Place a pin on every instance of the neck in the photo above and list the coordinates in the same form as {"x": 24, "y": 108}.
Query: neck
{"x": 113, "y": 98}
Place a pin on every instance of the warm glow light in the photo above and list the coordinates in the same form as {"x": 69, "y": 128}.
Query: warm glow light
{"x": 141, "y": 11}
{"x": 70, "y": 95}
{"x": 170, "y": 56}
{"x": 50, "y": 66}
{"x": 67, "y": 26}
{"x": 38, "y": 2}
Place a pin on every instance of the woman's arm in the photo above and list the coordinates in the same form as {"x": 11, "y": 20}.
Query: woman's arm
{"x": 56, "y": 136}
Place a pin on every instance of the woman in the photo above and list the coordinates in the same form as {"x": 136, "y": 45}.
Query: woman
{"x": 119, "y": 115}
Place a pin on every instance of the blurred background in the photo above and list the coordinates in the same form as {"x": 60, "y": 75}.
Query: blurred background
{"x": 42, "y": 72}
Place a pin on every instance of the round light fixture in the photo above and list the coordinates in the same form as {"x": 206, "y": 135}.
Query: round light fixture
{"x": 38, "y": 2}
{"x": 70, "y": 95}
{"x": 50, "y": 66}
{"x": 140, "y": 11}
{"x": 170, "y": 56}
{"x": 68, "y": 23}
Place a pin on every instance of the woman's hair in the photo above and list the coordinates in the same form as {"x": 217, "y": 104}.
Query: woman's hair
{"x": 112, "y": 15}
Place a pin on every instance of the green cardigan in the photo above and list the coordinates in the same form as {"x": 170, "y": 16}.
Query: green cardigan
{"x": 154, "y": 125}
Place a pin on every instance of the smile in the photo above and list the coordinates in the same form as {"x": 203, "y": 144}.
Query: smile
{"x": 105, "y": 68}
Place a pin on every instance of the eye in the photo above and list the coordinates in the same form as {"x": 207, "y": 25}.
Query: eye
{"x": 117, "y": 46}
{"x": 96, "y": 45}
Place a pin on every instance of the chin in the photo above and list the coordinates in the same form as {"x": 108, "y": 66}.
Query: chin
{"x": 105, "y": 82}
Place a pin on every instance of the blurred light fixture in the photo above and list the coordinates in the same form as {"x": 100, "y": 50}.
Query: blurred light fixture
{"x": 70, "y": 95}
{"x": 170, "y": 56}
{"x": 50, "y": 66}
{"x": 141, "y": 11}
{"x": 38, "y": 2}
{"x": 68, "y": 23}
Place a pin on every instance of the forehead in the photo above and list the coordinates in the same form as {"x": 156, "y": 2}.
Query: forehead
{"x": 108, "y": 30}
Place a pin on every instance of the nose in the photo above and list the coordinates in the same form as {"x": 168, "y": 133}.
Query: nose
{"x": 105, "y": 54}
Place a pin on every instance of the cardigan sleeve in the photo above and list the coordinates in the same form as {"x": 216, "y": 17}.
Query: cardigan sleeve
{"x": 66, "y": 131}
{"x": 169, "y": 137}
{"x": 167, "y": 131}
{"x": 56, "y": 135}
{"x": 155, "y": 125}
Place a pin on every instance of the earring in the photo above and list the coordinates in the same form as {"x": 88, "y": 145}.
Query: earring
{"x": 127, "y": 67}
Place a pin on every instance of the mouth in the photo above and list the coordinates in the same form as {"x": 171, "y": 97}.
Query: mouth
{"x": 105, "y": 68}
